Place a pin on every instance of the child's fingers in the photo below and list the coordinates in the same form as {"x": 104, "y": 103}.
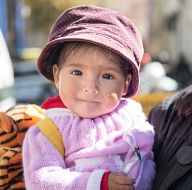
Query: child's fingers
{"x": 119, "y": 181}
{"x": 124, "y": 180}
{"x": 121, "y": 178}
{"x": 125, "y": 187}
{"x": 122, "y": 187}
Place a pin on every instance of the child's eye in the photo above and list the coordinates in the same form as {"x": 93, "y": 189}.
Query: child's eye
{"x": 76, "y": 72}
{"x": 108, "y": 76}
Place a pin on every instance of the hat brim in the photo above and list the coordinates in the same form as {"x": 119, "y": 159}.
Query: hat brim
{"x": 100, "y": 40}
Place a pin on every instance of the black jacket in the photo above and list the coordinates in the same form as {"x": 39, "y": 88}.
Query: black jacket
{"x": 172, "y": 119}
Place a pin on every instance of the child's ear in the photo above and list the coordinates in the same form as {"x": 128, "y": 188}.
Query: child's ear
{"x": 127, "y": 83}
{"x": 56, "y": 75}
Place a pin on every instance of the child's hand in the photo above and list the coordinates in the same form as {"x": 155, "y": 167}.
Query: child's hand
{"x": 120, "y": 181}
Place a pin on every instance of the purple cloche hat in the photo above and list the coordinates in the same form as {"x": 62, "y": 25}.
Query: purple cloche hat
{"x": 100, "y": 26}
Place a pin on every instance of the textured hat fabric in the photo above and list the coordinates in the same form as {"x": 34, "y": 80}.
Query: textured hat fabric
{"x": 100, "y": 26}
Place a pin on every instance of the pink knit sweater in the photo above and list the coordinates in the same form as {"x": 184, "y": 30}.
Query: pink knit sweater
{"x": 92, "y": 147}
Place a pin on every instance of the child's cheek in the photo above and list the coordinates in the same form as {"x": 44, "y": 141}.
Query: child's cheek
{"x": 112, "y": 96}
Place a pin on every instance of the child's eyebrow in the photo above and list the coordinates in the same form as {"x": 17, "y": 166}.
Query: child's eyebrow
{"x": 73, "y": 64}
{"x": 107, "y": 67}
{"x": 111, "y": 68}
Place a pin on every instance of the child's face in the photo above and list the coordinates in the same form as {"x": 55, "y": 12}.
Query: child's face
{"x": 90, "y": 83}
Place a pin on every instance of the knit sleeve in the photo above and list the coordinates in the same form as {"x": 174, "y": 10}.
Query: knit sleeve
{"x": 146, "y": 175}
{"x": 144, "y": 165}
{"x": 139, "y": 159}
{"x": 143, "y": 171}
{"x": 44, "y": 167}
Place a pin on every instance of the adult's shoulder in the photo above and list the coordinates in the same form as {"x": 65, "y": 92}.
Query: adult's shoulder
{"x": 178, "y": 105}
{"x": 172, "y": 121}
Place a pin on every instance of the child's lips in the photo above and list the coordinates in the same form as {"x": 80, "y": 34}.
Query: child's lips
{"x": 89, "y": 100}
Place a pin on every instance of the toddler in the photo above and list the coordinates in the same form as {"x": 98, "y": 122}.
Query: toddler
{"x": 93, "y": 56}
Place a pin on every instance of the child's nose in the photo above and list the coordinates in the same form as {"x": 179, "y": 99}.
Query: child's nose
{"x": 92, "y": 91}
{"x": 90, "y": 87}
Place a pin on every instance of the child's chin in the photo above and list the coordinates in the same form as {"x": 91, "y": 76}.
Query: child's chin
{"x": 89, "y": 115}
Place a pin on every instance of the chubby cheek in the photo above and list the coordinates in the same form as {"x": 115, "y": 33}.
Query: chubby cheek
{"x": 112, "y": 99}
{"x": 66, "y": 91}
{"x": 114, "y": 93}
{"x": 113, "y": 96}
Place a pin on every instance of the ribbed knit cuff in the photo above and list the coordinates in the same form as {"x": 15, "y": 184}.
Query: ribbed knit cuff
{"x": 104, "y": 181}
{"x": 94, "y": 181}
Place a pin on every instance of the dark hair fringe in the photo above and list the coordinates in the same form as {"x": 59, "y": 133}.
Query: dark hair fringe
{"x": 53, "y": 59}
{"x": 126, "y": 68}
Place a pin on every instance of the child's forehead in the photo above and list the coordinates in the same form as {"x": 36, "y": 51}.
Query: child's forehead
{"x": 85, "y": 49}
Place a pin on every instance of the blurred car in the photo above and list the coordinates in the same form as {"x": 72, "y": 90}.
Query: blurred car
{"x": 154, "y": 79}
{"x": 30, "y": 86}
{"x": 6, "y": 76}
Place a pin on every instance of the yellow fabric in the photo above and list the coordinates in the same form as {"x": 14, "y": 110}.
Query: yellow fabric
{"x": 48, "y": 128}
{"x": 149, "y": 100}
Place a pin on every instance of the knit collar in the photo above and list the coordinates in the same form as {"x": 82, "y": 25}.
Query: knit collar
{"x": 53, "y": 102}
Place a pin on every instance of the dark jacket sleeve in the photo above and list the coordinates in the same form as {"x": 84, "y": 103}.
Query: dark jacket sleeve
{"x": 172, "y": 120}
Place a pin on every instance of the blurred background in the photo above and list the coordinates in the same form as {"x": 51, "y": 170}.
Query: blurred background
{"x": 165, "y": 25}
